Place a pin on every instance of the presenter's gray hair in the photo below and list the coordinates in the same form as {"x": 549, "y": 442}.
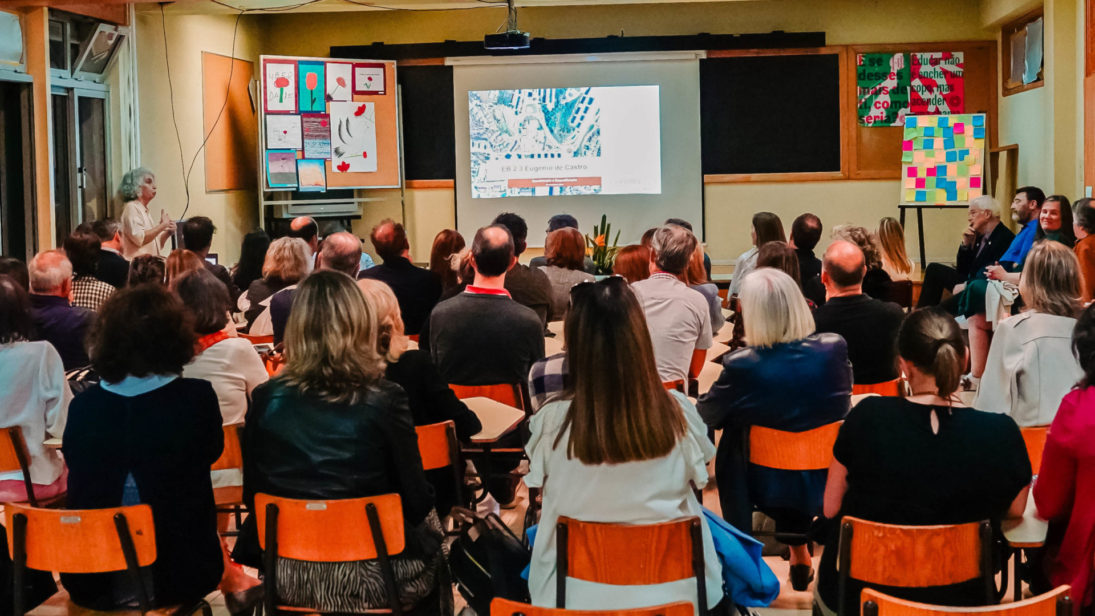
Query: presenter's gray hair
{"x": 130, "y": 188}
{"x": 673, "y": 246}
{"x": 986, "y": 203}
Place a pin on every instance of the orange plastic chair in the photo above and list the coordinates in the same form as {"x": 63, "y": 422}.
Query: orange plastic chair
{"x": 1035, "y": 439}
{"x": 229, "y": 499}
{"x": 885, "y": 388}
{"x": 513, "y": 394}
{"x": 793, "y": 451}
{"x": 14, "y": 457}
{"x": 629, "y": 554}
{"x": 268, "y": 339}
{"x": 871, "y": 553}
{"x": 330, "y": 531}
{"x": 1057, "y": 602}
{"x": 505, "y": 607}
{"x": 438, "y": 447}
{"x": 82, "y": 541}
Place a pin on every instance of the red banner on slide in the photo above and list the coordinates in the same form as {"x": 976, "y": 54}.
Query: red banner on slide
{"x": 553, "y": 182}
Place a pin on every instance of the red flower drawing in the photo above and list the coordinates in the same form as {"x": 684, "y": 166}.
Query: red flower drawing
{"x": 364, "y": 155}
{"x": 323, "y": 123}
{"x": 281, "y": 83}
{"x": 344, "y": 166}
{"x": 360, "y": 110}
{"x": 341, "y": 81}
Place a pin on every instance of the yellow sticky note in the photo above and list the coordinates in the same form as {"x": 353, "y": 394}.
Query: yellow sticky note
{"x": 974, "y": 193}
{"x": 979, "y": 144}
{"x": 963, "y": 195}
{"x": 940, "y": 196}
{"x": 910, "y": 182}
{"x": 910, "y": 196}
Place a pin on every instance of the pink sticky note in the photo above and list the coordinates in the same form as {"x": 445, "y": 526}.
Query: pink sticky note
{"x": 975, "y": 169}
{"x": 969, "y": 129}
{"x": 952, "y": 171}
{"x": 959, "y": 127}
{"x": 911, "y": 172}
{"x": 910, "y": 182}
{"x": 974, "y": 193}
{"x": 920, "y": 182}
{"x": 907, "y": 145}
{"x": 931, "y": 172}
{"x": 975, "y": 182}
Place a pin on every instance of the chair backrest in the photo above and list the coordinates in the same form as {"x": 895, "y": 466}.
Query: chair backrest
{"x": 901, "y": 292}
{"x": 885, "y": 388}
{"x": 331, "y": 530}
{"x": 267, "y": 339}
{"x": 513, "y": 394}
{"x": 505, "y": 607}
{"x": 232, "y": 456}
{"x": 793, "y": 451}
{"x": 437, "y": 445}
{"x": 1056, "y": 602}
{"x": 15, "y": 457}
{"x": 80, "y": 540}
{"x": 1035, "y": 439}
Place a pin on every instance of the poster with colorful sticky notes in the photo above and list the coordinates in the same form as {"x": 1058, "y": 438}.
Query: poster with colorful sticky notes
{"x": 312, "y": 175}
{"x": 283, "y": 132}
{"x": 313, "y": 97}
{"x": 945, "y": 165}
{"x": 280, "y": 92}
{"x": 369, "y": 78}
{"x": 317, "y": 135}
{"x": 339, "y": 81}
{"x": 281, "y": 169}
{"x": 353, "y": 137}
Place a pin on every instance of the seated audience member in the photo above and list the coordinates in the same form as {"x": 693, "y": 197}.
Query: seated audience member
{"x": 305, "y": 228}
{"x": 178, "y": 263}
{"x": 145, "y": 435}
{"x": 782, "y": 256}
{"x": 34, "y": 395}
{"x": 564, "y": 250}
{"x": 416, "y": 289}
{"x": 891, "y": 240}
{"x": 1030, "y": 364}
{"x": 922, "y": 460}
{"x": 563, "y": 221}
{"x": 876, "y": 282}
{"x": 526, "y": 286}
{"x": 252, "y": 255}
{"x": 633, "y": 263}
{"x": 1055, "y": 222}
{"x": 445, "y": 244}
{"x": 1065, "y": 489}
{"x": 868, "y": 325}
{"x": 679, "y": 318}
{"x": 287, "y": 262}
{"x": 113, "y": 268}
{"x": 82, "y": 250}
{"x": 341, "y": 252}
{"x": 695, "y": 276}
{"x": 147, "y": 268}
{"x": 680, "y": 222}
{"x": 197, "y": 235}
{"x": 329, "y": 426}
{"x": 984, "y": 242}
{"x": 617, "y": 448}
{"x": 56, "y": 320}
{"x": 766, "y": 227}
{"x": 1083, "y": 225}
{"x": 752, "y": 391}
{"x": 805, "y": 234}
{"x": 16, "y": 270}
{"x": 230, "y": 364}
{"x": 428, "y": 395}
{"x": 648, "y": 237}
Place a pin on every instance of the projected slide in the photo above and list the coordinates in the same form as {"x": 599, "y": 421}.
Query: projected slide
{"x": 565, "y": 141}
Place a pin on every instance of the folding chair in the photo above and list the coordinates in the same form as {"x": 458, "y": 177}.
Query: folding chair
{"x": 885, "y": 388}
{"x": 229, "y": 499}
{"x": 901, "y": 293}
{"x": 330, "y": 531}
{"x": 83, "y": 541}
{"x": 947, "y": 554}
{"x": 268, "y": 339}
{"x": 14, "y": 457}
{"x": 1035, "y": 439}
{"x": 513, "y": 394}
{"x": 438, "y": 447}
{"x": 505, "y": 607}
{"x": 630, "y": 554}
{"x": 1056, "y": 602}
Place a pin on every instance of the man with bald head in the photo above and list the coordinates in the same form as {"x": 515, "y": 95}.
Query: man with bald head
{"x": 416, "y": 289}
{"x": 56, "y": 320}
{"x": 868, "y": 325}
{"x": 341, "y": 252}
{"x": 305, "y": 228}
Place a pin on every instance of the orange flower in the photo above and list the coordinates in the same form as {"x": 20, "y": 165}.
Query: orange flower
{"x": 600, "y": 241}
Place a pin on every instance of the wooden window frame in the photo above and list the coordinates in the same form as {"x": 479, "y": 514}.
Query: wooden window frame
{"x": 1009, "y": 29}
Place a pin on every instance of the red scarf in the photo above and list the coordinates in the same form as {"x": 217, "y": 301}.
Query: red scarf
{"x": 209, "y": 340}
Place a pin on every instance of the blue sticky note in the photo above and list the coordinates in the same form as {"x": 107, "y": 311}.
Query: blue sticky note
{"x": 910, "y": 122}
{"x": 929, "y": 131}
{"x": 921, "y": 195}
{"x": 928, "y": 144}
{"x": 948, "y": 132}
{"x": 978, "y": 120}
{"x": 940, "y": 171}
{"x": 979, "y": 132}
{"x": 963, "y": 154}
{"x": 944, "y": 121}
{"x": 952, "y": 156}
{"x": 952, "y": 195}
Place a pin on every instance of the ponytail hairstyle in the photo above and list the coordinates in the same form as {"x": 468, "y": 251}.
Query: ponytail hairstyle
{"x": 1083, "y": 346}
{"x": 930, "y": 340}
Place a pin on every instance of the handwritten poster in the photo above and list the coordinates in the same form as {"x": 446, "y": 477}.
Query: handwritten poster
{"x": 283, "y": 132}
{"x": 317, "y": 135}
{"x": 281, "y": 168}
{"x": 339, "y": 81}
{"x": 369, "y": 78}
{"x": 943, "y": 159}
{"x": 353, "y": 137}
{"x": 311, "y": 175}
{"x": 312, "y": 84}
{"x": 280, "y": 92}
{"x": 893, "y": 85}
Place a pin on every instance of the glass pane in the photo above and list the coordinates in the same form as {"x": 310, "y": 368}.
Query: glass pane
{"x": 1018, "y": 57}
{"x": 62, "y": 168}
{"x": 57, "y": 54}
{"x": 93, "y": 157}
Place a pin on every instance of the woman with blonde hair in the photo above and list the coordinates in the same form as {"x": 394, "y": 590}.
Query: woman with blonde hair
{"x": 330, "y": 426}
{"x": 287, "y": 261}
{"x": 753, "y": 391}
{"x": 891, "y": 239}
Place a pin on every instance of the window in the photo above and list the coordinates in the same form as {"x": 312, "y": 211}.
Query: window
{"x": 1023, "y": 65}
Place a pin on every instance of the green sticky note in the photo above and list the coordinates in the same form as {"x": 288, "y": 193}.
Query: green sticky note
{"x": 906, "y": 157}
{"x": 929, "y": 182}
{"x": 963, "y": 171}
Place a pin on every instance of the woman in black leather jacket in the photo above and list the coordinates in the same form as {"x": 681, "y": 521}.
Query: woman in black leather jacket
{"x": 330, "y": 427}
{"x": 787, "y": 378}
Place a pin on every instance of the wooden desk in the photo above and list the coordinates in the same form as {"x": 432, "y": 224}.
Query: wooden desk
{"x": 556, "y": 327}
{"x": 707, "y": 376}
{"x": 498, "y": 419}
{"x": 715, "y": 351}
{"x": 52, "y": 443}
{"x": 726, "y": 332}
{"x": 1023, "y": 533}
{"x": 553, "y": 346}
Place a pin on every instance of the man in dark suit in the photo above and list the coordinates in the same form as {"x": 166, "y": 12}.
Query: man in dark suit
{"x": 416, "y": 289}
{"x": 528, "y": 287}
{"x": 805, "y": 234}
{"x": 113, "y": 268}
{"x": 56, "y": 320}
{"x": 197, "y": 235}
{"x": 983, "y": 243}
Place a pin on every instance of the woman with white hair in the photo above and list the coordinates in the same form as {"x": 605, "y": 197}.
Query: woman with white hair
{"x": 141, "y": 236}
{"x": 753, "y": 391}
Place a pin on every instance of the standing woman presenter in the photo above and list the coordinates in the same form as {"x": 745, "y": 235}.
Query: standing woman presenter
{"x": 140, "y": 236}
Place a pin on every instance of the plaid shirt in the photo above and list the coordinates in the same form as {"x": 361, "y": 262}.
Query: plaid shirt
{"x": 89, "y": 292}
{"x": 546, "y": 379}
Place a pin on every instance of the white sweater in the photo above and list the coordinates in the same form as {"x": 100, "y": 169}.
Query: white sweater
{"x": 34, "y": 395}
{"x": 234, "y": 369}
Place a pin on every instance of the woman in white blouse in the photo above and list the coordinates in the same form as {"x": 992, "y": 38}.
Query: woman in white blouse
{"x": 767, "y": 227}
{"x": 34, "y": 395}
{"x": 617, "y": 448}
{"x": 140, "y": 235}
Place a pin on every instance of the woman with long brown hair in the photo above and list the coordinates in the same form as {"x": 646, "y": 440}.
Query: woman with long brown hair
{"x": 445, "y": 244}
{"x": 766, "y": 227}
{"x": 565, "y": 251}
{"x": 617, "y": 447}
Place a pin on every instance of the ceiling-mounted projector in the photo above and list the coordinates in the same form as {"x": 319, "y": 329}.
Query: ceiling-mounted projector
{"x": 512, "y": 38}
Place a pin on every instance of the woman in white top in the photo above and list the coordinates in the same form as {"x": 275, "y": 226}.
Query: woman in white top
{"x": 616, "y": 448}
{"x": 229, "y": 363}
{"x": 565, "y": 251}
{"x": 1030, "y": 365}
{"x": 891, "y": 238}
{"x": 140, "y": 235}
{"x": 34, "y": 395}
{"x": 767, "y": 227}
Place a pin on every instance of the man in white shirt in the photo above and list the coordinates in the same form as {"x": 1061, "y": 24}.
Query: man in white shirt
{"x": 677, "y": 316}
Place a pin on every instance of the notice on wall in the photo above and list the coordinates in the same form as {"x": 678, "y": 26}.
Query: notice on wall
{"x": 317, "y": 135}
{"x": 283, "y": 132}
{"x": 893, "y": 85}
{"x": 353, "y": 137}
{"x": 943, "y": 159}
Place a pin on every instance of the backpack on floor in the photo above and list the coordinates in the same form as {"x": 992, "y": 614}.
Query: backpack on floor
{"x": 486, "y": 560}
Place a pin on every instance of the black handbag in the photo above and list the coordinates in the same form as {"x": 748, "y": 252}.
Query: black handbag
{"x": 486, "y": 560}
